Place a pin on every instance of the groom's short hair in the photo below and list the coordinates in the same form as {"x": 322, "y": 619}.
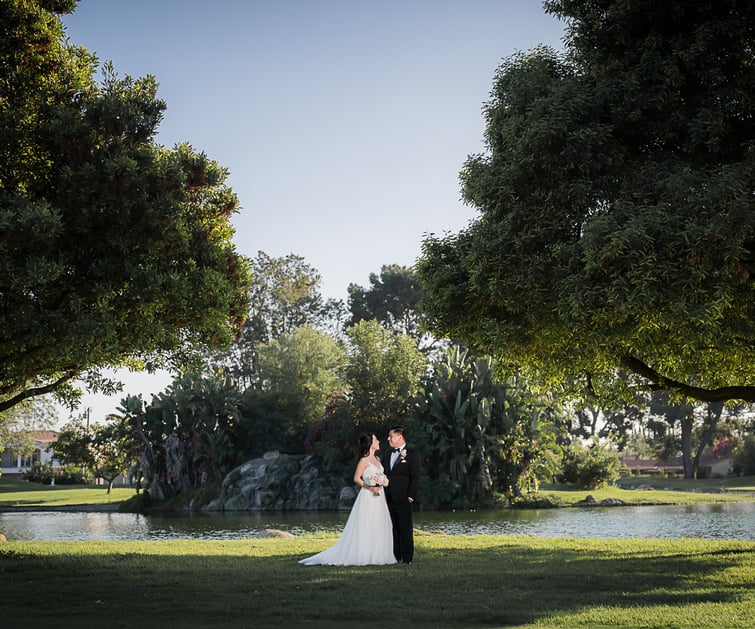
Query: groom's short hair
{"x": 400, "y": 430}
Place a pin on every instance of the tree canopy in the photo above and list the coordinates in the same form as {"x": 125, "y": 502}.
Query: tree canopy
{"x": 299, "y": 370}
{"x": 383, "y": 373}
{"x": 284, "y": 294}
{"x": 617, "y": 225}
{"x": 114, "y": 250}
{"x": 392, "y": 299}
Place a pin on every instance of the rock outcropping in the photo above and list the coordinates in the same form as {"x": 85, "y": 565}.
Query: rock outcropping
{"x": 589, "y": 501}
{"x": 282, "y": 482}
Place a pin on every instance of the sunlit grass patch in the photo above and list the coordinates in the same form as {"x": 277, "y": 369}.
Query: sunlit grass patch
{"x": 20, "y": 493}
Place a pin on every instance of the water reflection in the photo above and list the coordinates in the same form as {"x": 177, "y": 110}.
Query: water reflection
{"x": 712, "y": 521}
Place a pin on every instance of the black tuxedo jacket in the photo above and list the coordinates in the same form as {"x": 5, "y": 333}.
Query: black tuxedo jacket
{"x": 403, "y": 479}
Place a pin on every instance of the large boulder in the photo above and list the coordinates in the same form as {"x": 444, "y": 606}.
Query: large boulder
{"x": 281, "y": 482}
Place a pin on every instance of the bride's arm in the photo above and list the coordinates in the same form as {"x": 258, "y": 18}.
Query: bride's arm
{"x": 359, "y": 471}
{"x": 358, "y": 475}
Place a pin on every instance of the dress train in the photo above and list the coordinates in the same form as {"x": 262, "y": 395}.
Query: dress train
{"x": 367, "y": 537}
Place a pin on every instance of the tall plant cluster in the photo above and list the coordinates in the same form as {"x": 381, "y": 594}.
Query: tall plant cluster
{"x": 313, "y": 393}
{"x": 187, "y": 436}
{"x": 480, "y": 435}
{"x": 203, "y": 425}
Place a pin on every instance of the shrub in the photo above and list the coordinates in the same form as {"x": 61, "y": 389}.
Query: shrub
{"x": 592, "y": 467}
{"x": 72, "y": 475}
{"x": 43, "y": 473}
{"x": 439, "y": 493}
{"x": 39, "y": 473}
{"x": 724, "y": 448}
{"x": 744, "y": 458}
{"x": 537, "y": 502}
{"x": 335, "y": 436}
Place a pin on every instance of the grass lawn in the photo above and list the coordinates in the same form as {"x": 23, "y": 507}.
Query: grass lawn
{"x": 455, "y": 581}
{"x": 717, "y": 485}
{"x": 665, "y": 491}
{"x": 20, "y": 493}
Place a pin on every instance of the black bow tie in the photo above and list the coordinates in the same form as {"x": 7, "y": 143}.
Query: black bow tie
{"x": 396, "y": 450}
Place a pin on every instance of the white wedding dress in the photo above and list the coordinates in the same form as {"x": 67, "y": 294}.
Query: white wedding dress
{"x": 367, "y": 537}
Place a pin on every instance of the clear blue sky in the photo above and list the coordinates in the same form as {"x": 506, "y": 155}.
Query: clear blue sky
{"x": 343, "y": 123}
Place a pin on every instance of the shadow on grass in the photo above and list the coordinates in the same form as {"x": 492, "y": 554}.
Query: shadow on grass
{"x": 498, "y": 585}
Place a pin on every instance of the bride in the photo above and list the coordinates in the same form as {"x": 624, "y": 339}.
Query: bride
{"x": 367, "y": 538}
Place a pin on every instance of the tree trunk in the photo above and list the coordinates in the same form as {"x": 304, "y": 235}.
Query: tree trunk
{"x": 686, "y": 425}
{"x": 152, "y": 475}
{"x": 714, "y": 415}
{"x": 178, "y": 461}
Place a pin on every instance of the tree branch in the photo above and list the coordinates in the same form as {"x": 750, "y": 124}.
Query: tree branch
{"x": 662, "y": 383}
{"x": 27, "y": 393}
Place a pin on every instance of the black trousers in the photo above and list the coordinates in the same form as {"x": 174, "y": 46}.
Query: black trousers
{"x": 403, "y": 531}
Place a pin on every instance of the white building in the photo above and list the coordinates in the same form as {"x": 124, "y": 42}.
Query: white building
{"x": 14, "y": 463}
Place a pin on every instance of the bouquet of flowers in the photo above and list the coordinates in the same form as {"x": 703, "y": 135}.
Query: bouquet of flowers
{"x": 380, "y": 480}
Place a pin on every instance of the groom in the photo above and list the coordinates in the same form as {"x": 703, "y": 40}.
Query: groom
{"x": 403, "y": 465}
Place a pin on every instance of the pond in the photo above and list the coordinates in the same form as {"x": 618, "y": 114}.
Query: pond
{"x": 711, "y": 521}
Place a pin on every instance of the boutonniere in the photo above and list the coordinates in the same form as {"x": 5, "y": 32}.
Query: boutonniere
{"x": 402, "y": 454}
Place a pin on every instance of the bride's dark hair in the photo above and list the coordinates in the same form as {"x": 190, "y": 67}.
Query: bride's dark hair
{"x": 365, "y": 442}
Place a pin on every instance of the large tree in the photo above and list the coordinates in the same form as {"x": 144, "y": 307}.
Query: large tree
{"x": 617, "y": 214}
{"x": 284, "y": 295}
{"x": 299, "y": 371}
{"x": 107, "y": 451}
{"x": 383, "y": 374}
{"x": 688, "y": 430}
{"x": 392, "y": 299}
{"x": 113, "y": 249}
